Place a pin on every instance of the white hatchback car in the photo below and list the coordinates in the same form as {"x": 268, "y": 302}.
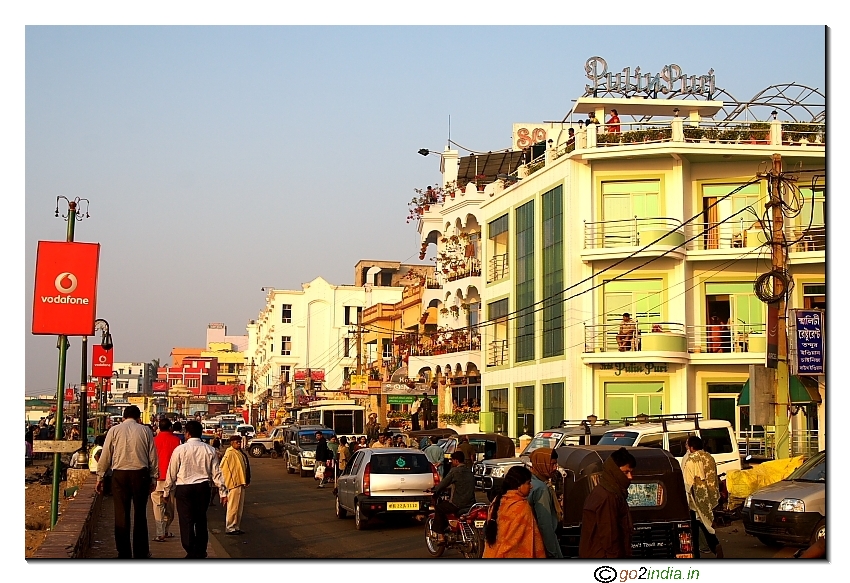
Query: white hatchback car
{"x": 385, "y": 481}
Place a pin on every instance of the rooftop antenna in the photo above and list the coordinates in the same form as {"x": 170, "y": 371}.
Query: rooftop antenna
{"x": 448, "y": 144}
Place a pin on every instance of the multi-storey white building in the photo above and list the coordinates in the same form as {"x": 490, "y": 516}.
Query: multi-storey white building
{"x": 133, "y": 377}
{"x": 301, "y": 343}
{"x": 647, "y": 218}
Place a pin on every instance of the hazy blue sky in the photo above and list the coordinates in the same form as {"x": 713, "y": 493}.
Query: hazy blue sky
{"x": 218, "y": 160}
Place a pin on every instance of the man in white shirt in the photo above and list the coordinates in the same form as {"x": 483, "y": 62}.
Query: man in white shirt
{"x": 193, "y": 468}
{"x": 414, "y": 414}
{"x": 130, "y": 454}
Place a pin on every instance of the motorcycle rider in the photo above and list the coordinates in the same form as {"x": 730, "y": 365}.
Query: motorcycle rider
{"x": 463, "y": 494}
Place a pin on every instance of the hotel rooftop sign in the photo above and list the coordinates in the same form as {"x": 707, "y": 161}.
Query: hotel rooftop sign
{"x": 669, "y": 81}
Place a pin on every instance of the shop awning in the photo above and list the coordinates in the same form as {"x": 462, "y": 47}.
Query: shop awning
{"x": 803, "y": 390}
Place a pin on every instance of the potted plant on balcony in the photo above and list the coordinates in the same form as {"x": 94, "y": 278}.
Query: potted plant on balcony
{"x": 758, "y": 133}
{"x": 455, "y": 311}
{"x": 693, "y": 134}
{"x": 479, "y": 178}
{"x": 711, "y": 134}
{"x": 444, "y": 311}
{"x": 729, "y": 135}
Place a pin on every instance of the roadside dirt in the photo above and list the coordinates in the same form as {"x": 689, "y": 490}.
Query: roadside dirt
{"x": 37, "y": 505}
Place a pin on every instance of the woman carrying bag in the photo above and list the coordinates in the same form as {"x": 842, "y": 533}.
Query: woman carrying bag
{"x": 511, "y": 531}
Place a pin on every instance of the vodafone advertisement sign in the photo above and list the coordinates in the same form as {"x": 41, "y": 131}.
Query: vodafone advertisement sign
{"x": 101, "y": 361}
{"x": 65, "y": 288}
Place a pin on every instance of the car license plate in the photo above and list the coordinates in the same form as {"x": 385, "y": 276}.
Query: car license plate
{"x": 402, "y": 505}
{"x": 479, "y": 524}
{"x": 759, "y": 517}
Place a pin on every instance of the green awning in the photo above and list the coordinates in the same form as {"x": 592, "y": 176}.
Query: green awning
{"x": 802, "y": 389}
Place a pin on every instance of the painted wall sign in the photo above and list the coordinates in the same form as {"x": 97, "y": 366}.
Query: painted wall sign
{"x": 669, "y": 81}
{"x": 634, "y": 367}
{"x": 808, "y": 340}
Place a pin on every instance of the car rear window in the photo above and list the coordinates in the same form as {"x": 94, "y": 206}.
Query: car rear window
{"x": 716, "y": 440}
{"x": 622, "y": 438}
{"x": 309, "y": 437}
{"x": 400, "y": 463}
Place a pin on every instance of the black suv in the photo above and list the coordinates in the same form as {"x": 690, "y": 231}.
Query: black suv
{"x": 299, "y": 447}
{"x": 489, "y": 474}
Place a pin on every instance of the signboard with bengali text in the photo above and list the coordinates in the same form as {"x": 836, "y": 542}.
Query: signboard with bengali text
{"x": 808, "y": 347}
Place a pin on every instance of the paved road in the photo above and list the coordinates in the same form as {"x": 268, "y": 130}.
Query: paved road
{"x": 286, "y": 516}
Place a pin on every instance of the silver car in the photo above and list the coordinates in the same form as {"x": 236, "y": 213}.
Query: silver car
{"x": 385, "y": 481}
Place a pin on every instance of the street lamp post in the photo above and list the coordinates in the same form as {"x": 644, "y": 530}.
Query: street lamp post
{"x": 106, "y": 343}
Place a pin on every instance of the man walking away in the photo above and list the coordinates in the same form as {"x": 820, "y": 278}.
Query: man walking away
{"x": 323, "y": 454}
{"x": 463, "y": 496}
{"x": 435, "y": 455}
{"x": 236, "y": 473}
{"x": 703, "y": 488}
{"x": 130, "y": 453}
{"x": 192, "y": 471}
{"x": 606, "y": 524}
{"x": 163, "y": 508}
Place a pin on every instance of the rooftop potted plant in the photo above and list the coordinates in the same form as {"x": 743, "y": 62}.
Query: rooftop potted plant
{"x": 758, "y": 132}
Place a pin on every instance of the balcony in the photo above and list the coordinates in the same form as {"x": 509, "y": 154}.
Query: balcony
{"x": 497, "y": 268}
{"x": 497, "y": 353}
{"x": 468, "y": 267}
{"x": 660, "y": 341}
{"x": 446, "y": 343}
{"x": 806, "y": 239}
{"x": 614, "y": 239}
{"x": 744, "y": 343}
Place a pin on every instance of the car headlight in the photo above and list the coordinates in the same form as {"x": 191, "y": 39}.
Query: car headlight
{"x": 748, "y": 501}
{"x": 308, "y": 454}
{"x": 792, "y": 505}
{"x": 498, "y": 472}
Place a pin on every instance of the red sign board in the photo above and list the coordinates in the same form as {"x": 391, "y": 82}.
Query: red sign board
{"x": 317, "y": 374}
{"x": 300, "y": 374}
{"x": 65, "y": 288}
{"x": 101, "y": 361}
{"x": 91, "y": 389}
{"x": 69, "y": 395}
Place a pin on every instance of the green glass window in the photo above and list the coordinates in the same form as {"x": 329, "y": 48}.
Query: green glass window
{"x": 553, "y": 272}
{"x": 525, "y": 282}
{"x": 553, "y": 404}
{"x": 525, "y": 410}
{"x": 497, "y": 401}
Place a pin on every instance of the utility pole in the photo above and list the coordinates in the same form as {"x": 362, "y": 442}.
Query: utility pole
{"x": 776, "y": 319}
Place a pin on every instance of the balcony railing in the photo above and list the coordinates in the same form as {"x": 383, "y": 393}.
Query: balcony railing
{"x": 636, "y": 336}
{"x": 632, "y": 233}
{"x": 498, "y": 268}
{"x": 497, "y": 353}
{"x": 807, "y": 238}
{"x": 471, "y": 267}
{"x": 727, "y": 338}
{"x": 763, "y": 443}
{"x": 446, "y": 343}
{"x": 733, "y": 234}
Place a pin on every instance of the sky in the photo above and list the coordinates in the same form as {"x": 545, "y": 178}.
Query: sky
{"x": 221, "y": 159}
{"x": 218, "y": 160}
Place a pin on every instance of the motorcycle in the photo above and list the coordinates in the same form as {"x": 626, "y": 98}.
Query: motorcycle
{"x": 464, "y": 532}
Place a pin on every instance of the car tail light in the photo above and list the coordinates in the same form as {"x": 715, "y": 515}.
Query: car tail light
{"x": 435, "y": 475}
{"x": 685, "y": 544}
{"x": 367, "y": 478}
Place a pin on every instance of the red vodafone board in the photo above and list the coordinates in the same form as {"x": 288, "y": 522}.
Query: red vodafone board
{"x": 65, "y": 296}
{"x": 101, "y": 361}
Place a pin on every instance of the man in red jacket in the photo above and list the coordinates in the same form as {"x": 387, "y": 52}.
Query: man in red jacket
{"x": 163, "y": 508}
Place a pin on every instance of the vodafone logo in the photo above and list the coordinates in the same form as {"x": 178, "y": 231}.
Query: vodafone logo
{"x": 65, "y": 283}
{"x": 102, "y": 359}
{"x": 60, "y": 279}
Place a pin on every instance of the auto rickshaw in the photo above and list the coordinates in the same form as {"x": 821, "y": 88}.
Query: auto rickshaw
{"x": 657, "y": 498}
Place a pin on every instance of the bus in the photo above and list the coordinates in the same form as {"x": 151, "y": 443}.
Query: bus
{"x": 343, "y": 416}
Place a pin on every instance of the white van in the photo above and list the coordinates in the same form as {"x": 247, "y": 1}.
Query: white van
{"x": 671, "y": 432}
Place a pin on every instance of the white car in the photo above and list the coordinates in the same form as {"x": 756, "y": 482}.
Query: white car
{"x": 245, "y": 430}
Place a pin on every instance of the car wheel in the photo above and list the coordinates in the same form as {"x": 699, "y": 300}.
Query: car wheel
{"x": 340, "y": 511}
{"x": 289, "y": 468}
{"x": 304, "y": 473}
{"x": 771, "y": 542}
{"x": 257, "y": 450}
{"x": 435, "y": 548}
{"x": 275, "y": 455}
{"x": 359, "y": 519}
{"x": 819, "y": 532}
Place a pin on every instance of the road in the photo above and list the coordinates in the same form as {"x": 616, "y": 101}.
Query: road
{"x": 286, "y": 516}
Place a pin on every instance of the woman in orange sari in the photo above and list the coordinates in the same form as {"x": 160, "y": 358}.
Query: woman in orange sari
{"x": 511, "y": 531}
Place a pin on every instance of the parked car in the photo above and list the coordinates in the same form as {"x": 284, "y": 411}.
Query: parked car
{"x": 271, "y": 444}
{"x": 299, "y": 447}
{"x": 487, "y": 446}
{"x": 791, "y": 511}
{"x": 671, "y": 432}
{"x": 490, "y": 473}
{"x": 385, "y": 481}
{"x": 657, "y": 499}
{"x": 246, "y": 430}
{"x": 227, "y": 428}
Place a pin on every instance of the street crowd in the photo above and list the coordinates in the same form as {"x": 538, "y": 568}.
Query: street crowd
{"x": 169, "y": 465}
